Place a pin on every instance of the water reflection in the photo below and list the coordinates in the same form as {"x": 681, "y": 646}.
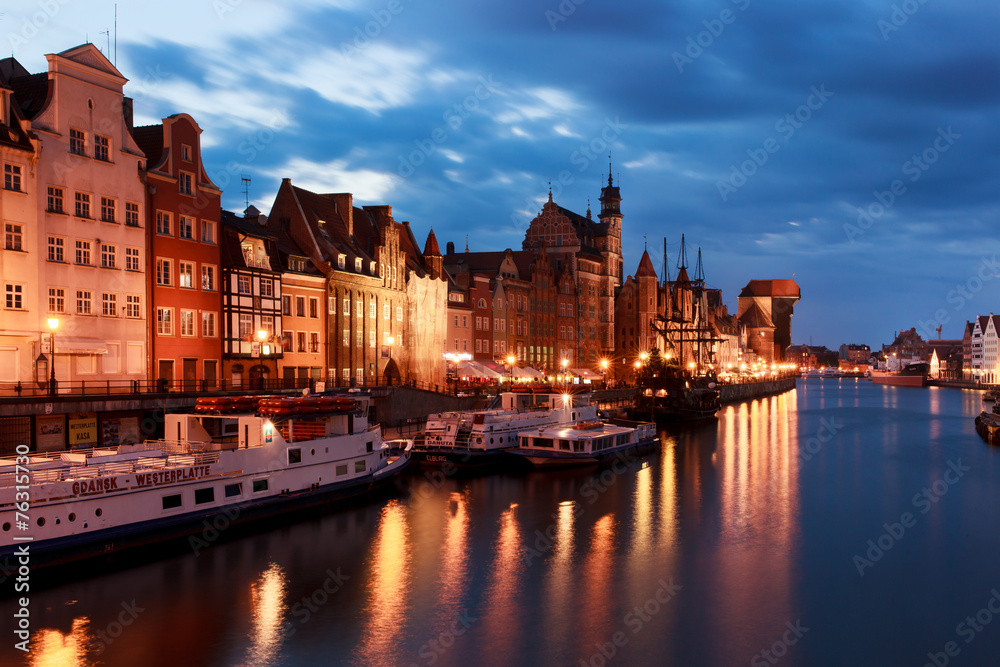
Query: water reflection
{"x": 501, "y": 612}
{"x": 454, "y": 564}
{"x": 559, "y": 583}
{"x": 388, "y": 589}
{"x": 267, "y": 600}
{"x": 598, "y": 575}
{"x": 52, "y": 648}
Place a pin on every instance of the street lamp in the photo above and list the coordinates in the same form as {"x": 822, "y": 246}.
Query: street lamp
{"x": 53, "y": 325}
{"x": 510, "y": 365}
{"x": 604, "y": 371}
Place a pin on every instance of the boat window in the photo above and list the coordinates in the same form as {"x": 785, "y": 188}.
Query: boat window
{"x": 368, "y": 446}
{"x": 577, "y": 446}
{"x": 341, "y": 470}
{"x": 170, "y": 502}
{"x": 564, "y": 444}
{"x": 259, "y": 485}
{"x": 359, "y": 466}
{"x": 202, "y": 496}
{"x": 294, "y": 456}
{"x": 234, "y": 490}
{"x": 543, "y": 442}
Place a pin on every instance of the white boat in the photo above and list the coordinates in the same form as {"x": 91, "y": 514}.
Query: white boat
{"x": 474, "y": 438}
{"x": 832, "y": 372}
{"x": 584, "y": 443}
{"x": 811, "y": 373}
{"x": 214, "y": 470}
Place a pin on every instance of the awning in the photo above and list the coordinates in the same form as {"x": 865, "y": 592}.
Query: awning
{"x": 527, "y": 372}
{"x": 80, "y": 345}
{"x": 476, "y": 370}
{"x": 585, "y": 373}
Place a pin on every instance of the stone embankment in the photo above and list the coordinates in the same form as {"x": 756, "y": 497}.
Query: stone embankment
{"x": 733, "y": 393}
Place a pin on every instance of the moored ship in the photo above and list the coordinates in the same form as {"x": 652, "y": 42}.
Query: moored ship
{"x": 226, "y": 464}
{"x": 914, "y": 375}
{"x": 584, "y": 443}
{"x": 479, "y": 438}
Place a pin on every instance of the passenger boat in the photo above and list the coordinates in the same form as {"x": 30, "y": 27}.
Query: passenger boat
{"x": 811, "y": 373}
{"x": 831, "y": 372}
{"x": 478, "y": 438}
{"x": 584, "y": 443}
{"x": 990, "y": 396}
{"x": 228, "y": 463}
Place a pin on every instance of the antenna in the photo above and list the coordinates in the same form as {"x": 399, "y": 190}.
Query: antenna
{"x": 246, "y": 191}
{"x": 116, "y": 35}
{"x": 107, "y": 33}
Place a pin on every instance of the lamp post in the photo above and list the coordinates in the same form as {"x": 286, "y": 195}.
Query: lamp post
{"x": 53, "y": 325}
{"x": 604, "y": 372}
{"x": 510, "y": 366}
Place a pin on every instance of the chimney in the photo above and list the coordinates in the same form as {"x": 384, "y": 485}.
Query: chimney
{"x": 450, "y": 248}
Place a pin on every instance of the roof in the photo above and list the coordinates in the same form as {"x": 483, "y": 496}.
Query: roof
{"x": 31, "y": 91}
{"x": 756, "y": 318}
{"x": 431, "y": 248}
{"x": 773, "y": 288}
{"x": 150, "y": 141}
{"x": 645, "y": 269}
{"x": 489, "y": 262}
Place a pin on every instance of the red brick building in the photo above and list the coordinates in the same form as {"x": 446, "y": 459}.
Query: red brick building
{"x": 182, "y": 228}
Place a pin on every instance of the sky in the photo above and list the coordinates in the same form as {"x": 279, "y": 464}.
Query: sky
{"x": 852, "y": 146}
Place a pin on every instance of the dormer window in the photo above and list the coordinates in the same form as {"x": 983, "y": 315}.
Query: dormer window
{"x": 357, "y": 264}
{"x": 371, "y": 268}
{"x": 185, "y": 152}
{"x": 341, "y": 261}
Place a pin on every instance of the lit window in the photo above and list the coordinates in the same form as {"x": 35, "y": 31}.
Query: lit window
{"x": 208, "y": 277}
{"x": 185, "y": 271}
{"x": 187, "y": 323}
{"x": 208, "y": 325}
{"x": 165, "y": 321}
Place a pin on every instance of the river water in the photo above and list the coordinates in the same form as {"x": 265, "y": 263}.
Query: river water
{"x": 842, "y": 523}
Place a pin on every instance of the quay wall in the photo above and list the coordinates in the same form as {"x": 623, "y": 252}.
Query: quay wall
{"x": 397, "y": 406}
{"x": 733, "y": 393}
{"x": 960, "y": 384}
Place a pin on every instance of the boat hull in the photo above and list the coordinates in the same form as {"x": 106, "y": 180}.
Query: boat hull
{"x": 900, "y": 380}
{"x": 561, "y": 459}
{"x": 200, "y": 528}
{"x": 461, "y": 459}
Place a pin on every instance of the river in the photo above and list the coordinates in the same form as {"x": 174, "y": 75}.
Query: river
{"x": 842, "y": 523}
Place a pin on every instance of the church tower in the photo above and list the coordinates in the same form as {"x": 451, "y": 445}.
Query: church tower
{"x": 611, "y": 248}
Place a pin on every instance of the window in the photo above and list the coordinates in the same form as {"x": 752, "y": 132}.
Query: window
{"x": 109, "y": 305}
{"x": 399, "y": 313}
{"x": 165, "y": 321}
{"x": 202, "y": 496}
{"x": 331, "y": 305}
{"x": 300, "y": 339}
{"x": 286, "y": 305}
{"x": 185, "y": 152}
{"x": 386, "y": 312}
{"x": 83, "y": 252}
{"x": 132, "y": 259}
{"x": 294, "y": 456}
{"x": 77, "y": 142}
{"x": 84, "y": 302}
{"x": 187, "y": 323}
{"x": 267, "y": 324}
{"x": 208, "y": 325}
{"x": 107, "y": 209}
{"x": 12, "y": 237}
{"x": 371, "y": 339}
{"x": 313, "y": 307}
{"x": 233, "y": 490}
{"x": 243, "y": 284}
{"x": 314, "y": 342}
{"x": 185, "y": 226}
{"x": 371, "y": 268}
{"x": 54, "y": 200}
{"x": 259, "y": 485}
{"x": 347, "y": 307}
{"x": 359, "y": 466}
{"x": 163, "y": 271}
{"x": 359, "y": 338}
{"x": 132, "y": 306}
{"x": 341, "y": 261}
{"x": 357, "y": 264}
{"x": 372, "y": 309}
{"x": 101, "y": 145}
{"x": 163, "y": 223}
{"x": 266, "y": 287}
{"x": 171, "y": 502}
{"x": 300, "y": 306}
{"x": 56, "y": 249}
{"x": 208, "y": 277}
{"x": 185, "y": 274}
{"x": 131, "y": 214}
{"x": 12, "y": 296}
{"x": 57, "y": 300}
{"x": 359, "y": 374}
{"x": 347, "y": 336}
{"x": 207, "y": 231}
{"x": 109, "y": 256}
{"x": 246, "y": 325}
{"x": 82, "y": 205}
{"x": 342, "y": 468}
{"x": 360, "y": 310}
{"x": 184, "y": 183}
{"x": 12, "y": 177}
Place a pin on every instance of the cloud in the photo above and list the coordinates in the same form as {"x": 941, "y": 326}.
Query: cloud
{"x": 336, "y": 176}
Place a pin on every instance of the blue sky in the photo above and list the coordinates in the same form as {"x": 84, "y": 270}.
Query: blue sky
{"x": 852, "y": 145}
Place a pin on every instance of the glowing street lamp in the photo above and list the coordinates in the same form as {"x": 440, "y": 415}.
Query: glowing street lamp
{"x": 510, "y": 366}
{"x": 53, "y": 325}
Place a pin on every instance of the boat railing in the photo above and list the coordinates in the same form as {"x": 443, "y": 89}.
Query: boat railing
{"x": 72, "y": 470}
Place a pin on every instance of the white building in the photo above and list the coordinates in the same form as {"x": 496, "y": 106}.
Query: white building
{"x": 91, "y": 246}
{"x": 21, "y": 323}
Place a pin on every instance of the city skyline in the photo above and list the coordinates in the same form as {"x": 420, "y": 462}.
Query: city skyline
{"x": 846, "y": 147}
